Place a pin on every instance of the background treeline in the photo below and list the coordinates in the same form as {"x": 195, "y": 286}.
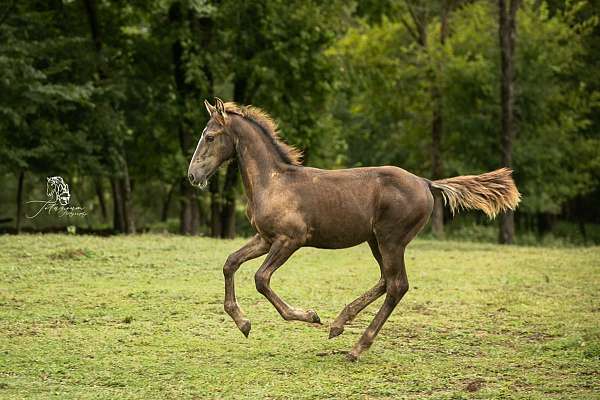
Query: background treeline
{"x": 108, "y": 95}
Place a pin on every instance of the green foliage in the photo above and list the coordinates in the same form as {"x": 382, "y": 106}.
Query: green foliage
{"x": 347, "y": 82}
{"x": 385, "y": 114}
{"x": 40, "y": 97}
{"x": 390, "y": 78}
{"x": 553, "y": 111}
{"x": 276, "y": 62}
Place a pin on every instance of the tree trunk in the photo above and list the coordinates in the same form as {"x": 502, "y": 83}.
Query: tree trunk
{"x": 188, "y": 209}
{"x": 20, "y": 201}
{"x": 185, "y": 211}
{"x": 128, "y": 216}
{"x": 437, "y": 130}
{"x": 507, "y": 33}
{"x": 240, "y": 86}
{"x": 215, "y": 207}
{"x": 418, "y": 31}
{"x": 437, "y": 217}
{"x": 100, "y": 193}
{"x": 187, "y": 195}
{"x": 123, "y": 219}
{"x": 164, "y": 215}
{"x": 228, "y": 210}
{"x": 189, "y": 212}
{"x": 582, "y": 230}
{"x": 118, "y": 215}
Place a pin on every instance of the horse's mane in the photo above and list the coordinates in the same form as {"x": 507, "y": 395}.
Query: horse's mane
{"x": 290, "y": 154}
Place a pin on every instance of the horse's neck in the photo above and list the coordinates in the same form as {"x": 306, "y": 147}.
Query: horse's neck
{"x": 258, "y": 159}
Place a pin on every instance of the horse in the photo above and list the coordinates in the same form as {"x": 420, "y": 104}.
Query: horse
{"x": 292, "y": 206}
{"x": 58, "y": 190}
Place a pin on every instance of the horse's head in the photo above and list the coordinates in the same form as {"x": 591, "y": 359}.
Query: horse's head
{"x": 215, "y": 146}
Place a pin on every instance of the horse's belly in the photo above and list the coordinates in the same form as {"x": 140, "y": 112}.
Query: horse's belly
{"x": 339, "y": 231}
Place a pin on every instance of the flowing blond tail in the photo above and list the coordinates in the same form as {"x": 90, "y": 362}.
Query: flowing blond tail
{"x": 491, "y": 192}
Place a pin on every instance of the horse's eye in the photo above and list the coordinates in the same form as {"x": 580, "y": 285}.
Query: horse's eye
{"x": 209, "y": 138}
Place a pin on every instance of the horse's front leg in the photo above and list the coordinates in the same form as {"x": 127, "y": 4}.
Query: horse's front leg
{"x": 279, "y": 252}
{"x": 256, "y": 247}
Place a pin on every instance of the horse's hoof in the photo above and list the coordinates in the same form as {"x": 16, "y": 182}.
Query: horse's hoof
{"x": 351, "y": 357}
{"x": 335, "y": 331}
{"x": 245, "y": 328}
{"x": 314, "y": 318}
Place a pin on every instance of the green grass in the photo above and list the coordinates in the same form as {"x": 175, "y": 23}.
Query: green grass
{"x": 142, "y": 317}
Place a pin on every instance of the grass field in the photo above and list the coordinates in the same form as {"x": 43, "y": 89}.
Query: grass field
{"x": 142, "y": 317}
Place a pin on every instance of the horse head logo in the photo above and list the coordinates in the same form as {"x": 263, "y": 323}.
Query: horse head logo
{"x": 58, "y": 190}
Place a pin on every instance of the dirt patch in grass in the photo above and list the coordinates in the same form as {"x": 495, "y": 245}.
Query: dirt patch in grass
{"x": 475, "y": 385}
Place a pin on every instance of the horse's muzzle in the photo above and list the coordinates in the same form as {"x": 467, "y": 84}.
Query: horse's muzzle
{"x": 201, "y": 183}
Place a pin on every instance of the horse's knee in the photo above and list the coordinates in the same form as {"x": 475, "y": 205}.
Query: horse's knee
{"x": 231, "y": 265}
{"x": 261, "y": 280}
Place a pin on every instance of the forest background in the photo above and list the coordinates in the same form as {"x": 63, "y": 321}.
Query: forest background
{"x": 108, "y": 95}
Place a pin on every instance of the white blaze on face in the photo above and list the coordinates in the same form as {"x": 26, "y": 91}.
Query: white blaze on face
{"x": 195, "y": 160}
{"x": 199, "y": 141}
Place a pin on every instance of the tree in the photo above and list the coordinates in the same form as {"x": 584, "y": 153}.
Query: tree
{"x": 184, "y": 21}
{"x": 419, "y": 14}
{"x": 88, "y": 94}
{"x": 123, "y": 215}
{"x": 386, "y": 105}
{"x": 277, "y": 63}
{"x": 41, "y": 96}
{"x": 508, "y": 35}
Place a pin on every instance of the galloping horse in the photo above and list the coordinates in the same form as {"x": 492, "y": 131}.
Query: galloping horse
{"x": 292, "y": 206}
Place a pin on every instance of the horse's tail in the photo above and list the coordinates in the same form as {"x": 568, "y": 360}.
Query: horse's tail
{"x": 491, "y": 192}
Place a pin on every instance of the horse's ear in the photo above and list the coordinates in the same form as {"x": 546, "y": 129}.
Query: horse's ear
{"x": 221, "y": 109}
{"x": 210, "y": 108}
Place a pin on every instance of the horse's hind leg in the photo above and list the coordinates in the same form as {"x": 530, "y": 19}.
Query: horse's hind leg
{"x": 351, "y": 310}
{"x": 280, "y": 251}
{"x": 396, "y": 285}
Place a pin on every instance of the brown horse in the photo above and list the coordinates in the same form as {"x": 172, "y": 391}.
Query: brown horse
{"x": 292, "y": 206}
